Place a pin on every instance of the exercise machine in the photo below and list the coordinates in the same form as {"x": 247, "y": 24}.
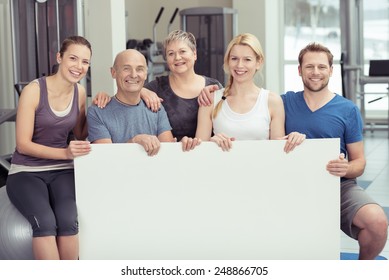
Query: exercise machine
{"x": 213, "y": 28}
{"x": 152, "y": 49}
{"x": 354, "y": 79}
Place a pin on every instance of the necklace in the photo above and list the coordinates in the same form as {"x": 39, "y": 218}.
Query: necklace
{"x": 124, "y": 103}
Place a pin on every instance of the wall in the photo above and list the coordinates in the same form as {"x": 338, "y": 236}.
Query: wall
{"x": 262, "y": 18}
{"x": 105, "y": 29}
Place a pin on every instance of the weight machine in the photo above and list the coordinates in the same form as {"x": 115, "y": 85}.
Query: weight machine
{"x": 214, "y": 28}
{"x": 152, "y": 49}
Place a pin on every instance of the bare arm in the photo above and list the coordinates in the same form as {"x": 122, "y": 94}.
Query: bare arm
{"x": 205, "y": 129}
{"x": 166, "y": 136}
{"x": 81, "y": 129}
{"x": 357, "y": 161}
{"x": 206, "y": 95}
{"x": 277, "y": 126}
{"x": 101, "y": 99}
{"x": 152, "y": 100}
{"x": 352, "y": 167}
{"x": 204, "y": 123}
{"x": 277, "y": 116}
{"x": 204, "y": 99}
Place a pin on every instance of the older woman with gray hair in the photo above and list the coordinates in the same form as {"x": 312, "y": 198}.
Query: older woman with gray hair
{"x": 180, "y": 89}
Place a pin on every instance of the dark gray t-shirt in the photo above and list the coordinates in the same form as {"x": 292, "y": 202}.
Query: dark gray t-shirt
{"x": 182, "y": 112}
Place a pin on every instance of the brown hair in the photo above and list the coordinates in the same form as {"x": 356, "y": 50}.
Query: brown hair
{"x": 315, "y": 47}
{"x": 77, "y": 40}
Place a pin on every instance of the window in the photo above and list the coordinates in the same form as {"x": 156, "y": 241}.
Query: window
{"x": 319, "y": 20}
{"x": 309, "y": 21}
{"x": 376, "y": 47}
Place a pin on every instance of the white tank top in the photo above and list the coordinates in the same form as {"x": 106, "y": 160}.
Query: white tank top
{"x": 253, "y": 125}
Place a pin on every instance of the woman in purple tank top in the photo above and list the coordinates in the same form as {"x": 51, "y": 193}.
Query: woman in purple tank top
{"x": 41, "y": 179}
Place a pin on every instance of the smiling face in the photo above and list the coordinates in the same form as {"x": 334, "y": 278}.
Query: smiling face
{"x": 130, "y": 71}
{"x": 74, "y": 62}
{"x": 243, "y": 63}
{"x": 315, "y": 71}
{"x": 180, "y": 58}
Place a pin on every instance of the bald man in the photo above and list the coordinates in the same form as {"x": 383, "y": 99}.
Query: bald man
{"x": 126, "y": 119}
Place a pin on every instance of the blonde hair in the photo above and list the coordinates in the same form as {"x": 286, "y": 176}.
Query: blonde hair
{"x": 245, "y": 39}
{"x": 179, "y": 35}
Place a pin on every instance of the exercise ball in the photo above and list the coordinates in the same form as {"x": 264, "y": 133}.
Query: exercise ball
{"x": 15, "y": 231}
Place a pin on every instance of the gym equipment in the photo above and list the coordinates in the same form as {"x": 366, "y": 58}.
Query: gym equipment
{"x": 353, "y": 77}
{"x": 214, "y": 28}
{"x": 15, "y": 231}
{"x": 171, "y": 20}
{"x": 378, "y": 74}
{"x": 153, "y": 50}
{"x": 156, "y": 62}
{"x": 379, "y": 68}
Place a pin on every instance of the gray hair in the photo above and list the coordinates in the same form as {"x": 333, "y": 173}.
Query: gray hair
{"x": 179, "y": 35}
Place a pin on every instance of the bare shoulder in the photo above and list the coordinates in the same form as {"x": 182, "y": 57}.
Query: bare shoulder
{"x": 30, "y": 94}
{"x": 81, "y": 90}
{"x": 81, "y": 95}
{"x": 32, "y": 86}
{"x": 274, "y": 98}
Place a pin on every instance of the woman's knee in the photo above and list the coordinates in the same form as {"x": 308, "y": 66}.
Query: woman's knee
{"x": 67, "y": 223}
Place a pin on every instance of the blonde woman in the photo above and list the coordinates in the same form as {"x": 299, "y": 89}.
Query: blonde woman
{"x": 243, "y": 110}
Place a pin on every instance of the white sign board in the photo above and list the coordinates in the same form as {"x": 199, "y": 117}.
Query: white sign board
{"x": 253, "y": 202}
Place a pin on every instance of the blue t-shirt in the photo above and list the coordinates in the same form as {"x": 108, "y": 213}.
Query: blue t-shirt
{"x": 339, "y": 118}
{"x": 121, "y": 122}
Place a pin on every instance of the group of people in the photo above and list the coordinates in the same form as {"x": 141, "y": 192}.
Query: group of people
{"x": 194, "y": 108}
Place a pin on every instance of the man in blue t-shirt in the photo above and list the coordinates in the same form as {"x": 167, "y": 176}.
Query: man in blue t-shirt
{"x": 320, "y": 113}
{"x": 126, "y": 119}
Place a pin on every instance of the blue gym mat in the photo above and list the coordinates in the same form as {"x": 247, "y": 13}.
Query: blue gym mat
{"x": 354, "y": 256}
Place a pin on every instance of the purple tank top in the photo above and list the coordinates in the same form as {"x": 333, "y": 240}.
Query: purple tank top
{"x": 49, "y": 129}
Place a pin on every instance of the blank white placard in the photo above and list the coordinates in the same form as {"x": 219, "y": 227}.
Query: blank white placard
{"x": 253, "y": 202}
